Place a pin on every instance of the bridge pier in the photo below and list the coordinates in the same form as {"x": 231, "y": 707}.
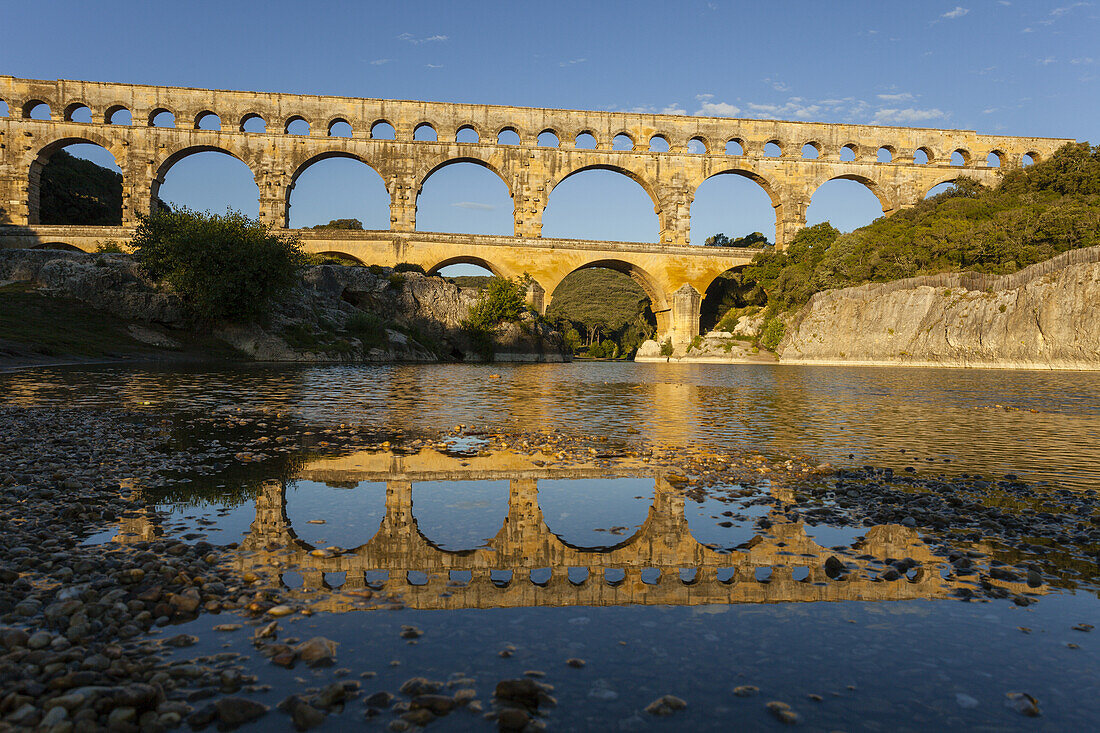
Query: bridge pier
{"x": 684, "y": 316}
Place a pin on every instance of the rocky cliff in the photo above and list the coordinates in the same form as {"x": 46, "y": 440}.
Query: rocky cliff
{"x": 335, "y": 314}
{"x": 1044, "y": 316}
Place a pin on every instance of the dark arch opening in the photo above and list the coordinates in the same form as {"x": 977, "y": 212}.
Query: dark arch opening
{"x": 602, "y": 312}
{"x": 253, "y": 122}
{"x": 696, "y": 146}
{"x": 735, "y": 147}
{"x": 207, "y": 179}
{"x": 726, "y": 292}
{"x": 161, "y": 118}
{"x": 58, "y": 246}
{"x": 508, "y": 136}
{"x": 885, "y": 154}
{"x": 382, "y": 130}
{"x": 208, "y": 121}
{"x": 465, "y": 196}
{"x": 845, "y": 202}
{"x": 119, "y": 115}
{"x": 960, "y": 157}
{"x": 466, "y": 271}
{"x": 337, "y": 190}
{"x": 339, "y": 128}
{"x": 994, "y": 159}
{"x": 467, "y": 134}
{"x": 942, "y": 187}
{"x": 335, "y": 257}
{"x": 658, "y": 144}
{"x": 1029, "y": 159}
{"x": 296, "y": 125}
{"x": 772, "y": 149}
{"x": 456, "y": 516}
{"x": 601, "y": 203}
{"x": 78, "y": 112}
{"x": 848, "y": 153}
{"x": 548, "y": 139}
{"x": 76, "y": 182}
{"x": 579, "y": 512}
{"x": 36, "y": 109}
{"x": 811, "y": 151}
{"x": 923, "y": 156}
{"x": 425, "y": 132}
{"x": 736, "y": 209}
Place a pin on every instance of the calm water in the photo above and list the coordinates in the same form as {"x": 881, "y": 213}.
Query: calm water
{"x": 489, "y": 550}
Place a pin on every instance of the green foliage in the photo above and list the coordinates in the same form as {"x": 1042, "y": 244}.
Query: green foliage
{"x": 367, "y": 327}
{"x": 772, "y": 332}
{"x": 729, "y": 320}
{"x": 756, "y": 239}
{"x": 332, "y": 258}
{"x": 409, "y": 267}
{"x": 377, "y": 270}
{"x": 667, "y": 348}
{"x": 396, "y": 280}
{"x": 110, "y": 246}
{"x": 223, "y": 267}
{"x": 478, "y": 282}
{"x": 77, "y": 191}
{"x": 1034, "y": 214}
{"x": 347, "y": 224}
{"x": 502, "y": 300}
{"x": 602, "y": 303}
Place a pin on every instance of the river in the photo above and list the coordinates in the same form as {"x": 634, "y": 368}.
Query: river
{"x": 518, "y": 516}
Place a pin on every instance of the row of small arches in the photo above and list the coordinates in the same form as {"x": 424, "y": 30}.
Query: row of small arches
{"x": 509, "y": 135}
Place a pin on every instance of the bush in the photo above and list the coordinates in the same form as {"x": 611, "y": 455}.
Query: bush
{"x": 666, "y": 348}
{"x": 501, "y": 300}
{"x": 223, "y": 267}
{"x": 109, "y": 246}
{"x": 409, "y": 267}
{"x": 396, "y": 280}
{"x": 772, "y": 332}
{"x": 367, "y": 327}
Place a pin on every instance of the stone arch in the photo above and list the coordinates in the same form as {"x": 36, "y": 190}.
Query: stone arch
{"x": 113, "y": 110}
{"x": 548, "y": 131}
{"x": 869, "y": 183}
{"x": 939, "y": 182}
{"x": 42, "y": 157}
{"x": 890, "y": 150}
{"x": 338, "y": 254}
{"x": 739, "y": 142}
{"x": 634, "y": 176}
{"x": 590, "y": 133}
{"x": 852, "y": 148}
{"x": 466, "y": 260}
{"x": 470, "y": 127}
{"x": 659, "y": 143}
{"x": 653, "y": 290}
{"x": 702, "y": 141}
{"x": 30, "y": 105}
{"x": 74, "y": 107}
{"x": 206, "y": 115}
{"x": 153, "y": 114}
{"x": 764, "y": 183}
{"x": 59, "y": 246}
{"x": 425, "y": 125}
{"x": 382, "y": 121}
{"x": 628, "y": 136}
{"x": 813, "y": 145}
{"x": 297, "y": 118}
{"x": 964, "y": 154}
{"x": 928, "y": 153}
{"x": 999, "y": 155}
{"x": 165, "y": 164}
{"x": 333, "y": 121}
{"x": 248, "y": 117}
{"x": 308, "y": 161}
{"x": 779, "y": 147}
{"x": 464, "y": 159}
{"x": 512, "y": 129}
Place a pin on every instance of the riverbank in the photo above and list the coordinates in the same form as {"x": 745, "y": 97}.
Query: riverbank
{"x": 1042, "y": 317}
{"x": 61, "y": 307}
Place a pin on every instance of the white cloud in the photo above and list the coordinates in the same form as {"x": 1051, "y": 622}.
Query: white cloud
{"x": 958, "y": 12}
{"x": 1083, "y": 60}
{"x": 906, "y": 116}
{"x": 900, "y": 97}
{"x": 989, "y": 111}
{"x": 416, "y": 41}
{"x": 1045, "y": 61}
{"x": 434, "y": 66}
{"x": 718, "y": 109}
{"x": 473, "y": 205}
{"x": 673, "y": 109}
{"x": 571, "y": 62}
{"x": 379, "y": 62}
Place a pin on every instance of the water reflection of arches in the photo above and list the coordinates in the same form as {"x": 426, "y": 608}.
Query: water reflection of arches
{"x": 525, "y": 564}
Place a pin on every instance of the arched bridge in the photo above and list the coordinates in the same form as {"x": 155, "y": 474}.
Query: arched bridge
{"x": 532, "y": 150}
{"x": 525, "y": 547}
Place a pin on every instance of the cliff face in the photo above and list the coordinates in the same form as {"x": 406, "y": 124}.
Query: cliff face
{"x": 335, "y": 314}
{"x": 1044, "y": 316}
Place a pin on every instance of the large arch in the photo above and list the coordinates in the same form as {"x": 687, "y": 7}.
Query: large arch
{"x": 773, "y": 199}
{"x": 42, "y": 158}
{"x": 239, "y": 197}
{"x": 723, "y": 292}
{"x": 564, "y": 225}
{"x": 466, "y": 260}
{"x": 856, "y": 209}
{"x": 343, "y": 192}
{"x": 645, "y": 280}
{"x": 473, "y": 217}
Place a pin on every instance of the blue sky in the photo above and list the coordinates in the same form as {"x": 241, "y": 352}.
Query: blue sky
{"x": 1028, "y": 68}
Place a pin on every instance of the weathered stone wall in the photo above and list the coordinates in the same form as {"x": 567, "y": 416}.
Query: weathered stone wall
{"x": 1043, "y": 316}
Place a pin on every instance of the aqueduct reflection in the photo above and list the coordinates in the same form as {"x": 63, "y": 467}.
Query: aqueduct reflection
{"x": 660, "y": 564}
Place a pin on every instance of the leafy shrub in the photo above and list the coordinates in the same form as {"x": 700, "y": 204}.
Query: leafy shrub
{"x": 110, "y": 246}
{"x": 409, "y": 267}
{"x": 347, "y": 224}
{"x": 666, "y": 348}
{"x": 367, "y": 327}
{"x": 377, "y": 270}
{"x": 501, "y": 300}
{"x": 772, "y": 332}
{"x": 223, "y": 267}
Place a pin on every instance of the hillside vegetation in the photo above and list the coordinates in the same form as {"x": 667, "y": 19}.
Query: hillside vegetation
{"x": 1033, "y": 214}
{"x": 77, "y": 191}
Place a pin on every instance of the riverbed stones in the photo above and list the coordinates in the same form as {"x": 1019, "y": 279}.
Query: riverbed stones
{"x": 317, "y": 652}
{"x": 665, "y": 705}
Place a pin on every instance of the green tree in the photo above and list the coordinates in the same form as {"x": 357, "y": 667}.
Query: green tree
{"x": 224, "y": 268}
{"x": 348, "y": 224}
{"x": 501, "y": 300}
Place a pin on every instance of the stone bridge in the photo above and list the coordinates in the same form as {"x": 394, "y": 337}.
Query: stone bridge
{"x": 532, "y": 150}
{"x": 527, "y": 564}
